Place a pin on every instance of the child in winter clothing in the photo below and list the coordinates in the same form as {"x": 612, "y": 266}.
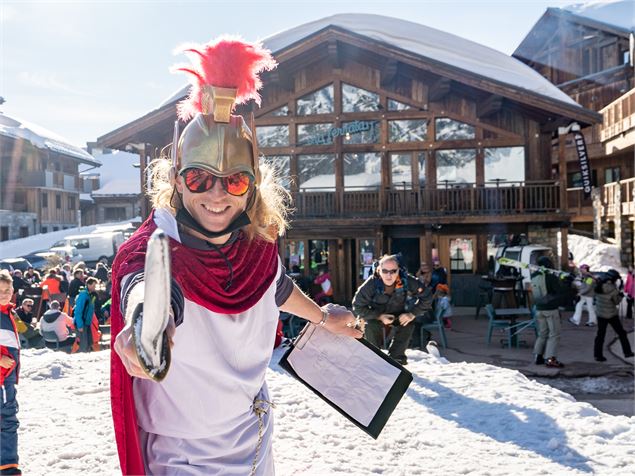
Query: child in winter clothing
{"x": 9, "y": 370}
{"x": 607, "y": 297}
{"x": 443, "y": 302}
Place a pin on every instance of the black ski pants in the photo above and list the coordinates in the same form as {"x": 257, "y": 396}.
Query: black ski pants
{"x": 619, "y": 330}
{"x": 374, "y": 333}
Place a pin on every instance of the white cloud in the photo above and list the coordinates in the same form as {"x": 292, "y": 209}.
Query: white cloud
{"x": 49, "y": 81}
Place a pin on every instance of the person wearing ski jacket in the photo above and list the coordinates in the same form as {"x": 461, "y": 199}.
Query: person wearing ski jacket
{"x": 59, "y": 322}
{"x": 9, "y": 374}
{"x": 607, "y": 297}
{"x": 391, "y": 297}
{"x": 221, "y": 212}
{"x": 83, "y": 314}
{"x": 548, "y": 294}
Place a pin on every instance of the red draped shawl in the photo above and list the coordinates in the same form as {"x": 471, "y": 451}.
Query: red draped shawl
{"x": 202, "y": 275}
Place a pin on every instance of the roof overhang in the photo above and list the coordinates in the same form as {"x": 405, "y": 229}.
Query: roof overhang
{"x": 139, "y": 130}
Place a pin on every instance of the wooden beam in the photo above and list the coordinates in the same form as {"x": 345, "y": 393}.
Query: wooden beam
{"x": 284, "y": 80}
{"x": 389, "y": 72}
{"x": 490, "y": 105}
{"x": 333, "y": 54}
{"x": 439, "y": 89}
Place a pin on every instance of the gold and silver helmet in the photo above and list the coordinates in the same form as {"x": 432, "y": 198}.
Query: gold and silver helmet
{"x": 224, "y": 72}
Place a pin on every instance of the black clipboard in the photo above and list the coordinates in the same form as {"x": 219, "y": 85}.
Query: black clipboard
{"x": 392, "y": 398}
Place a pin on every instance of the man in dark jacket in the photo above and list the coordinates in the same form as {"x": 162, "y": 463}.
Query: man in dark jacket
{"x": 391, "y": 297}
{"x": 548, "y": 292}
{"x": 76, "y": 283}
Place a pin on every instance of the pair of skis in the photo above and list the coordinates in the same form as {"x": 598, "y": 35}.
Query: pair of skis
{"x": 541, "y": 269}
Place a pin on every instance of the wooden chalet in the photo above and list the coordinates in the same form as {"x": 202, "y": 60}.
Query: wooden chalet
{"x": 40, "y": 180}
{"x": 587, "y": 52}
{"x": 433, "y": 147}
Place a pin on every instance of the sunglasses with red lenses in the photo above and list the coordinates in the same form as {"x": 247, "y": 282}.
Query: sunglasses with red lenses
{"x": 199, "y": 181}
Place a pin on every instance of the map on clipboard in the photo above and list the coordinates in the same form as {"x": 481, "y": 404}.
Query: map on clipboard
{"x": 353, "y": 376}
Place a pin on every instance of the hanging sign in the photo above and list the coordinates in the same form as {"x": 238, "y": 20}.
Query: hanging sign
{"x": 355, "y": 127}
{"x": 583, "y": 157}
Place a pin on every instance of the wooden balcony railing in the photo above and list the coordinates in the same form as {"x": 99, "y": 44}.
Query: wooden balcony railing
{"x": 611, "y": 204}
{"x": 464, "y": 199}
{"x": 619, "y": 116}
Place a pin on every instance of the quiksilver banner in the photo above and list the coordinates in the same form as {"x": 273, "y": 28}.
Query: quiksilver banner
{"x": 583, "y": 159}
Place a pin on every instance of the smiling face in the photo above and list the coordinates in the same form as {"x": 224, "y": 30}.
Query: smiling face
{"x": 388, "y": 270}
{"x": 6, "y": 291}
{"x": 214, "y": 209}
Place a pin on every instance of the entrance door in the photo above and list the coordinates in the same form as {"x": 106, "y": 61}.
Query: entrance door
{"x": 409, "y": 249}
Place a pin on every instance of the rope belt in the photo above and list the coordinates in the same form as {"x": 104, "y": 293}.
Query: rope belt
{"x": 261, "y": 407}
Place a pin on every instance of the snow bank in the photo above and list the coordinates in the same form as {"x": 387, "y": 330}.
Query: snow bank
{"x": 455, "y": 419}
{"x": 598, "y": 255}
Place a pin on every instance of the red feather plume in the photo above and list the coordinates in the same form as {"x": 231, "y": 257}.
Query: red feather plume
{"x": 227, "y": 62}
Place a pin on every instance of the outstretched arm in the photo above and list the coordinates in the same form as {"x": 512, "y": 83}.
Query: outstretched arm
{"x": 339, "y": 321}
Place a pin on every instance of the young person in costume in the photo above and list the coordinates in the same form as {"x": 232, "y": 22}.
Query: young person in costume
{"x": 222, "y": 212}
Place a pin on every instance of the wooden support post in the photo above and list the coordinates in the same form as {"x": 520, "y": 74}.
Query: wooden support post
{"x": 562, "y": 171}
{"x": 564, "y": 246}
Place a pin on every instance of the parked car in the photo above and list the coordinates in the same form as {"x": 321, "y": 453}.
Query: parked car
{"x": 95, "y": 247}
{"x": 12, "y": 264}
{"x": 43, "y": 260}
{"x": 528, "y": 254}
{"x": 68, "y": 253}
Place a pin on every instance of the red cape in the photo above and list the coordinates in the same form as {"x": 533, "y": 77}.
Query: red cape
{"x": 201, "y": 274}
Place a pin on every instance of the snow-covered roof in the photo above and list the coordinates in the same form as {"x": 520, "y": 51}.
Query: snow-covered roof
{"x": 42, "y": 138}
{"x": 426, "y": 42}
{"x": 117, "y": 174}
{"x": 617, "y": 13}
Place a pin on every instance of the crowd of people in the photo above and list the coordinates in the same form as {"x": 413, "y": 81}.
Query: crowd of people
{"x": 62, "y": 300}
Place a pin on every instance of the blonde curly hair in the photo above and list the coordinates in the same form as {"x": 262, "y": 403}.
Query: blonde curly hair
{"x": 268, "y": 214}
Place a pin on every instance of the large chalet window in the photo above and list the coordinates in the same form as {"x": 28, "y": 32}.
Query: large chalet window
{"x": 273, "y": 136}
{"x": 397, "y": 106}
{"x": 318, "y": 102}
{"x": 316, "y": 172}
{"x": 355, "y": 99}
{"x": 455, "y": 166}
{"x": 362, "y": 171}
{"x": 504, "y": 164}
{"x": 360, "y": 132}
{"x": 314, "y": 134}
{"x": 283, "y": 169}
{"x": 449, "y": 129}
{"x": 407, "y": 130}
{"x": 401, "y": 169}
{"x": 611, "y": 174}
{"x": 45, "y": 200}
{"x": 281, "y": 111}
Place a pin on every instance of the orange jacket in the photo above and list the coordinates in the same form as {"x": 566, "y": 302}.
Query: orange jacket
{"x": 53, "y": 284}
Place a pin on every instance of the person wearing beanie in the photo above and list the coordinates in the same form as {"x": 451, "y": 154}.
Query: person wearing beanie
{"x": 548, "y": 294}
{"x": 586, "y": 292}
{"x": 607, "y": 297}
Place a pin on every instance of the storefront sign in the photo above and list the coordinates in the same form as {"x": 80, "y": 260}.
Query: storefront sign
{"x": 583, "y": 159}
{"x": 346, "y": 130}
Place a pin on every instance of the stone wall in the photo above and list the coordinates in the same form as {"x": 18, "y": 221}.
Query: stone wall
{"x": 539, "y": 235}
{"x": 17, "y": 220}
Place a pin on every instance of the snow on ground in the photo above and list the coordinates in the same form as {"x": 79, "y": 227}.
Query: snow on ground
{"x": 455, "y": 419}
{"x": 598, "y": 255}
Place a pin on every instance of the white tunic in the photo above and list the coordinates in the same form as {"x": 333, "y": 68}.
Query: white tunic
{"x": 218, "y": 368}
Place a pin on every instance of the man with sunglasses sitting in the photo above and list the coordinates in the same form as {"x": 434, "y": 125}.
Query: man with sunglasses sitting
{"x": 391, "y": 297}
{"x": 222, "y": 211}
{"x": 25, "y": 314}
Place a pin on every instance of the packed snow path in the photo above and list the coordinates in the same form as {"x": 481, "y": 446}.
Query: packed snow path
{"x": 457, "y": 418}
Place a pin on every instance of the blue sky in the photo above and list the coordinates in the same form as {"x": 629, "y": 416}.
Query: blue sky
{"x": 82, "y": 69}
